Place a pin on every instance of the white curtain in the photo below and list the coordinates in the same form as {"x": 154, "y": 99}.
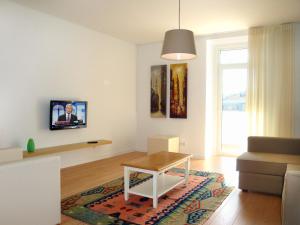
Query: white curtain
{"x": 270, "y": 84}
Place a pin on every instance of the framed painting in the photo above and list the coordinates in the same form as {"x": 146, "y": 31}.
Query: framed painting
{"x": 159, "y": 91}
{"x": 178, "y": 90}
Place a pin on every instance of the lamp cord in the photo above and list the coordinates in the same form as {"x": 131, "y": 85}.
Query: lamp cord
{"x": 179, "y": 15}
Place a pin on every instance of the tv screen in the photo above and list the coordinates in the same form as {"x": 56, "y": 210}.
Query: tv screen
{"x": 68, "y": 114}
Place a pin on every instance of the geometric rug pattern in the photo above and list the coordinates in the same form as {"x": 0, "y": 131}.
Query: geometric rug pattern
{"x": 187, "y": 204}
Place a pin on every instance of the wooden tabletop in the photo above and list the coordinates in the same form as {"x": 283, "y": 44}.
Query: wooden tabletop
{"x": 157, "y": 161}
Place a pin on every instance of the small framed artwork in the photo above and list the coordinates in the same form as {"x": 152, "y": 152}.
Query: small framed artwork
{"x": 178, "y": 90}
{"x": 158, "y": 91}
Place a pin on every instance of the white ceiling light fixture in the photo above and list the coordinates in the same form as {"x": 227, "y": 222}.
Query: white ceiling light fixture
{"x": 179, "y": 44}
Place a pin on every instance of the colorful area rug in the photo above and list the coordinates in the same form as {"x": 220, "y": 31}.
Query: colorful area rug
{"x": 191, "y": 204}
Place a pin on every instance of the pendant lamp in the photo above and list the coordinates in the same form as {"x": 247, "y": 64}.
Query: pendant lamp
{"x": 179, "y": 44}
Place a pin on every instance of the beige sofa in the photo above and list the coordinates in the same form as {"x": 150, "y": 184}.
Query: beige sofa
{"x": 291, "y": 197}
{"x": 263, "y": 167}
{"x": 272, "y": 165}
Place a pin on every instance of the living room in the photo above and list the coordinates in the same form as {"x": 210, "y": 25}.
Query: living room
{"x": 239, "y": 111}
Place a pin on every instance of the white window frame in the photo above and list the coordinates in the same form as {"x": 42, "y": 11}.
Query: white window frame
{"x": 218, "y": 67}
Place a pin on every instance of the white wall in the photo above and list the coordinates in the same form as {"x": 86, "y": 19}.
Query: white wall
{"x": 297, "y": 81}
{"x": 191, "y": 130}
{"x": 43, "y": 58}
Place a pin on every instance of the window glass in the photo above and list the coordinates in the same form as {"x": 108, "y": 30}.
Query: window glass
{"x": 234, "y": 56}
{"x": 234, "y": 89}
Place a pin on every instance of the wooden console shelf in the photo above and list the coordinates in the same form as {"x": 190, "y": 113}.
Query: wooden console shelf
{"x": 64, "y": 148}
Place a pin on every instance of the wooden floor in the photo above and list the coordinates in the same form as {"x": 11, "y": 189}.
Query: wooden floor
{"x": 240, "y": 208}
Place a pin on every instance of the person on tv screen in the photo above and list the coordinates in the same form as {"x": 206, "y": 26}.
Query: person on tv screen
{"x": 68, "y": 116}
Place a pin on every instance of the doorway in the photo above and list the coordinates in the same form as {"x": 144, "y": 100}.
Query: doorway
{"x": 232, "y": 74}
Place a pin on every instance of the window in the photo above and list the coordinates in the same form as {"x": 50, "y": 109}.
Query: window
{"x": 232, "y": 75}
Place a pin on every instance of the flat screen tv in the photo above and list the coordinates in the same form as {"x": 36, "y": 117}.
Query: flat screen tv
{"x": 67, "y": 114}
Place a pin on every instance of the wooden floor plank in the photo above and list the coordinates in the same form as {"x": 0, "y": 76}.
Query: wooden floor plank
{"x": 79, "y": 178}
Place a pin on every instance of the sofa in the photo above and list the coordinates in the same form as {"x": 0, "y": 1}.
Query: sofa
{"x": 29, "y": 190}
{"x": 272, "y": 165}
{"x": 291, "y": 197}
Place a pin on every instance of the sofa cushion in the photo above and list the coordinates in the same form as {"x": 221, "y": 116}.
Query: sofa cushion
{"x": 293, "y": 168}
{"x": 274, "y": 145}
{"x": 266, "y": 163}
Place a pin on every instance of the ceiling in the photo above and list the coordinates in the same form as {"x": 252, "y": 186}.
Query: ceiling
{"x": 144, "y": 21}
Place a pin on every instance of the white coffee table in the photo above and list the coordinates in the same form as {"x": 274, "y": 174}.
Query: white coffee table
{"x": 156, "y": 164}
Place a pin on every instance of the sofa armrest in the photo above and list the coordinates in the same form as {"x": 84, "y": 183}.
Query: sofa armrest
{"x": 290, "y": 197}
{"x": 274, "y": 145}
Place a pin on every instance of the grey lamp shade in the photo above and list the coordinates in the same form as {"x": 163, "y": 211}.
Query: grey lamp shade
{"x": 179, "y": 44}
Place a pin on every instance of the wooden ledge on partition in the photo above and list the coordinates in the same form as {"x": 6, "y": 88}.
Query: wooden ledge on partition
{"x": 65, "y": 148}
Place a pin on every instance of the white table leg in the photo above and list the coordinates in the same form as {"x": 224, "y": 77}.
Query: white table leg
{"x": 155, "y": 200}
{"x": 187, "y": 170}
{"x": 126, "y": 182}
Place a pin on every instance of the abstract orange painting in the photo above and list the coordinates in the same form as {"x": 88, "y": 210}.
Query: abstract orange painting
{"x": 178, "y": 90}
{"x": 159, "y": 91}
